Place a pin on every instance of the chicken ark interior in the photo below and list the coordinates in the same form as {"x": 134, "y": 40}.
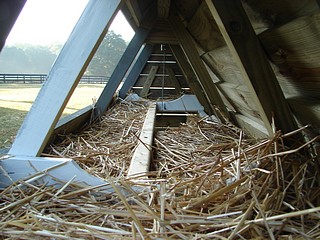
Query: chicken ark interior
{"x": 207, "y": 129}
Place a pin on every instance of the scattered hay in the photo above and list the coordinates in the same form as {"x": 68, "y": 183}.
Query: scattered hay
{"x": 207, "y": 181}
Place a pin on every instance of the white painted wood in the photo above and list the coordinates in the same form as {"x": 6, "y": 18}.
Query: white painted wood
{"x": 52, "y": 171}
{"x": 140, "y": 161}
{"x": 64, "y": 77}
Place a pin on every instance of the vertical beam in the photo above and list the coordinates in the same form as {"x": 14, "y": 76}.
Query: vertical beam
{"x": 136, "y": 70}
{"x": 9, "y": 12}
{"x": 147, "y": 84}
{"x": 174, "y": 80}
{"x": 120, "y": 70}
{"x": 64, "y": 77}
{"x": 189, "y": 48}
{"x": 254, "y": 66}
{"x": 191, "y": 78}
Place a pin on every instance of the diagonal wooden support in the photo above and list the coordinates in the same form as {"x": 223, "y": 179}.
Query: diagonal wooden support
{"x": 11, "y": 10}
{"x": 255, "y": 69}
{"x": 125, "y": 62}
{"x": 189, "y": 48}
{"x": 147, "y": 84}
{"x": 140, "y": 161}
{"x": 136, "y": 70}
{"x": 191, "y": 78}
{"x": 64, "y": 77}
{"x": 174, "y": 80}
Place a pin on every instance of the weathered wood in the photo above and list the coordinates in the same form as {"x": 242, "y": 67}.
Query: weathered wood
{"x": 136, "y": 70}
{"x": 174, "y": 80}
{"x": 163, "y": 8}
{"x": 64, "y": 77}
{"x": 277, "y": 13}
{"x": 204, "y": 29}
{"x": 9, "y": 12}
{"x": 240, "y": 98}
{"x": 148, "y": 82}
{"x": 253, "y": 64}
{"x": 140, "y": 161}
{"x": 251, "y": 127}
{"x": 123, "y": 65}
{"x": 190, "y": 76}
{"x": 295, "y": 49}
{"x": 134, "y": 9}
{"x": 198, "y": 66}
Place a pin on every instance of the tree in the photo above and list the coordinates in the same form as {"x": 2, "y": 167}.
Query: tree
{"x": 107, "y": 55}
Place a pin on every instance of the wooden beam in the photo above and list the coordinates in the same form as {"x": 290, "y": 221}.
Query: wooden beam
{"x": 140, "y": 161}
{"x": 174, "y": 80}
{"x": 120, "y": 71}
{"x": 253, "y": 64}
{"x": 164, "y": 8}
{"x": 149, "y": 81}
{"x": 64, "y": 77}
{"x": 11, "y": 10}
{"x": 190, "y": 76}
{"x": 134, "y": 9}
{"x": 190, "y": 50}
{"x": 136, "y": 70}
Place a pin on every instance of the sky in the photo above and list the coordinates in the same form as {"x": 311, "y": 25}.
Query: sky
{"x": 45, "y": 22}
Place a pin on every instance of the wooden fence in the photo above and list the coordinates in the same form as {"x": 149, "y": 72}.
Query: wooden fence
{"x": 40, "y": 78}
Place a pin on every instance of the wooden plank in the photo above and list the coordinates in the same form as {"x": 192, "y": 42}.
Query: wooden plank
{"x": 52, "y": 171}
{"x": 10, "y": 9}
{"x": 174, "y": 80}
{"x": 189, "y": 48}
{"x": 135, "y": 11}
{"x": 253, "y": 64}
{"x": 136, "y": 70}
{"x": 140, "y": 161}
{"x": 64, "y": 77}
{"x": 253, "y": 128}
{"x": 123, "y": 65}
{"x": 163, "y": 8}
{"x": 190, "y": 76}
{"x": 148, "y": 82}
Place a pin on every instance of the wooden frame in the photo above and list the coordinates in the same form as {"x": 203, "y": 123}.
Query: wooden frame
{"x": 189, "y": 48}
{"x": 136, "y": 70}
{"x": 255, "y": 69}
{"x": 64, "y": 77}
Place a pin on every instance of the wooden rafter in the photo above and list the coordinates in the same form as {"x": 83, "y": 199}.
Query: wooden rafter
{"x": 136, "y": 70}
{"x": 190, "y": 50}
{"x": 255, "y": 69}
{"x": 190, "y": 76}
{"x": 164, "y": 8}
{"x": 64, "y": 77}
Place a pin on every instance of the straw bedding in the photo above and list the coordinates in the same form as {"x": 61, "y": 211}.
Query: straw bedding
{"x": 208, "y": 181}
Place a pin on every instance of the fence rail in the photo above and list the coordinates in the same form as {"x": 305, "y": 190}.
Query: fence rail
{"x": 40, "y": 78}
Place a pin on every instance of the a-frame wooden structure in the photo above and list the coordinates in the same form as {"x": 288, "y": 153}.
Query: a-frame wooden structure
{"x": 217, "y": 45}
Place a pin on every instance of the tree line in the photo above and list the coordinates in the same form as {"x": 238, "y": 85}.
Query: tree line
{"x": 39, "y": 59}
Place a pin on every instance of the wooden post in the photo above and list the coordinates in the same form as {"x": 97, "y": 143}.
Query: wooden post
{"x": 255, "y": 69}
{"x": 136, "y": 70}
{"x": 189, "y": 48}
{"x": 147, "y": 84}
{"x": 64, "y": 77}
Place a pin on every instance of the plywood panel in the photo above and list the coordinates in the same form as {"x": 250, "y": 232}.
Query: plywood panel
{"x": 295, "y": 49}
{"x": 281, "y": 12}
